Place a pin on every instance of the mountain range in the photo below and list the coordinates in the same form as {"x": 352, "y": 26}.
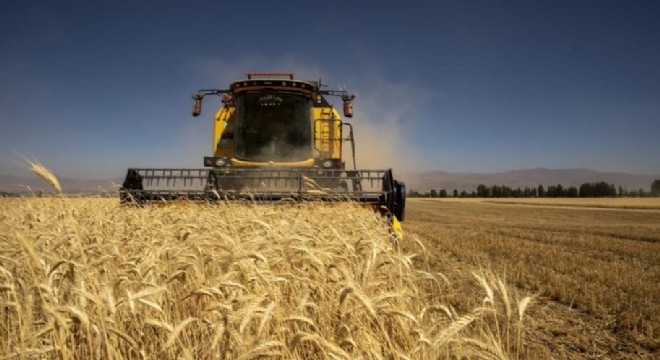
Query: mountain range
{"x": 469, "y": 181}
{"x": 420, "y": 181}
{"x": 18, "y": 184}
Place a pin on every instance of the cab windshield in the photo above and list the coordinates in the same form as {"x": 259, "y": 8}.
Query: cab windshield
{"x": 273, "y": 126}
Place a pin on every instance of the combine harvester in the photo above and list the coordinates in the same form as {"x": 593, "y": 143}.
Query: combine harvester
{"x": 275, "y": 138}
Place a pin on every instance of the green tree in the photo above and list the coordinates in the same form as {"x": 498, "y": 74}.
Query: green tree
{"x": 597, "y": 189}
{"x": 553, "y": 191}
{"x": 655, "y": 188}
{"x": 482, "y": 191}
{"x": 572, "y": 191}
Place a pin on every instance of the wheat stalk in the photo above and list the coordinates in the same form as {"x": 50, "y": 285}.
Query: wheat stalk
{"x": 44, "y": 173}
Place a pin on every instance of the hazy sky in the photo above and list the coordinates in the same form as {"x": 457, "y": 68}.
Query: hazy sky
{"x": 92, "y": 87}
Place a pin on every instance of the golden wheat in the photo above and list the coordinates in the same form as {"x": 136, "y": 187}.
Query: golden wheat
{"x": 86, "y": 278}
{"x": 44, "y": 173}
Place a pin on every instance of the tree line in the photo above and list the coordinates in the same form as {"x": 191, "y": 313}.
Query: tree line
{"x": 590, "y": 189}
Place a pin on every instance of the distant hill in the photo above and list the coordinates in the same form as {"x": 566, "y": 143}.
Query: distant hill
{"x": 14, "y": 184}
{"x": 423, "y": 181}
{"x": 525, "y": 177}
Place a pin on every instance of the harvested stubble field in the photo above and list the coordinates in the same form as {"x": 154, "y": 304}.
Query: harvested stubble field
{"x": 86, "y": 278}
{"x": 594, "y": 263}
{"x": 606, "y": 203}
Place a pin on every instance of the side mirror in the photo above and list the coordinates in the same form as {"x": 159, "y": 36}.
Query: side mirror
{"x": 197, "y": 105}
{"x": 348, "y": 104}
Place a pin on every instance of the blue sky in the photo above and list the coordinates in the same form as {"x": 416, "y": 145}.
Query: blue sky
{"x": 92, "y": 87}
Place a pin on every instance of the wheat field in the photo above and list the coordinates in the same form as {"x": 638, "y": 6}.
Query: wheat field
{"x": 88, "y": 278}
{"x": 594, "y": 265}
{"x": 604, "y": 203}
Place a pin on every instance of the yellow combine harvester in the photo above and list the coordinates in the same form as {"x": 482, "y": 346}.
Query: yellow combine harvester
{"x": 275, "y": 138}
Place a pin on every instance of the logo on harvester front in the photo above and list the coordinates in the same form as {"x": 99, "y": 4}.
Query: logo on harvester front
{"x": 270, "y": 100}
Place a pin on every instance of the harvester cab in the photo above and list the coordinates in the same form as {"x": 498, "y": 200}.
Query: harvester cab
{"x": 275, "y": 138}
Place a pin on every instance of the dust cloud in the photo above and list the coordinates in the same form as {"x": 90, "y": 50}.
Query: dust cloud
{"x": 385, "y": 126}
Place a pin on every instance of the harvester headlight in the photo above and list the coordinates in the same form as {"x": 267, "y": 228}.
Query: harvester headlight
{"x": 221, "y": 162}
{"x": 327, "y": 163}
